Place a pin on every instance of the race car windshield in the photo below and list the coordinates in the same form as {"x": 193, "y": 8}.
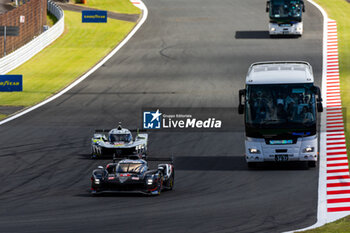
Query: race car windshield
{"x": 129, "y": 168}
{"x": 120, "y": 137}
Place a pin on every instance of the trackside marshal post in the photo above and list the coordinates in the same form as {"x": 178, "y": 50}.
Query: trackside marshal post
{"x": 9, "y": 83}
{"x": 94, "y": 16}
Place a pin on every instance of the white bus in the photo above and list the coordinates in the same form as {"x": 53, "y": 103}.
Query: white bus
{"x": 285, "y": 17}
{"x": 280, "y": 104}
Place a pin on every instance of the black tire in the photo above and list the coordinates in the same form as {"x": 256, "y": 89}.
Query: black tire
{"x": 160, "y": 185}
{"x": 170, "y": 183}
{"x": 94, "y": 154}
{"x": 312, "y": 163}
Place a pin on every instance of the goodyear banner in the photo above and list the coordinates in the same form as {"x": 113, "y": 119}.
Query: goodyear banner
{"x": 94, "y": 16}
{"x": 10, "y": 83}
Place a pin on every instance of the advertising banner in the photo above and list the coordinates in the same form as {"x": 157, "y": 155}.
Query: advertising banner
{"x": 94, "y": 16}
{"x": 9, "y": 83}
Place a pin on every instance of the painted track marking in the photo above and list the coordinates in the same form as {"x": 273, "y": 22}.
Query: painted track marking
{"x": 336, "y": 154}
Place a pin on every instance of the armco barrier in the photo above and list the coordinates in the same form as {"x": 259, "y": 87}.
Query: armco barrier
{"x": 28, "y": 50}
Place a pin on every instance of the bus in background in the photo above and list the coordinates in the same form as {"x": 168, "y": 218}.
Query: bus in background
{"x": 280, "y": 104}
{"x": 285, "y": 17}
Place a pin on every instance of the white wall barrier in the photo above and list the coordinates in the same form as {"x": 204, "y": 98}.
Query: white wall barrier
{"x": 27, "y": 51}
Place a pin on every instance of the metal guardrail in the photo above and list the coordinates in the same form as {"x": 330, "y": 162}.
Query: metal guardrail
{"x": 33, "y": 47}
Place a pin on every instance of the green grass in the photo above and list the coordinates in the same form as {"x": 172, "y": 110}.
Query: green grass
{"x": 2, "y": 116}
{"x": 51, "y": 19}
{"x": 339, "y": 10}
{"x": 80, "y": 47}
{"x": 120, "y": 6}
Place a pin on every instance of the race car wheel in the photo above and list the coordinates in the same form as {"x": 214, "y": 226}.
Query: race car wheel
{"x": 94, "y": 153}
{"x": 160, "y": 185}
{"x": 170, "y": 183}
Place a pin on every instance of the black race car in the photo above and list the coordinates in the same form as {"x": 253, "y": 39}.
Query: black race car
{"x": 132, "y": 176}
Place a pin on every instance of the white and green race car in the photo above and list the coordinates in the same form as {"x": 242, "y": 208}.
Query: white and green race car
{"x": 119, "y": 143}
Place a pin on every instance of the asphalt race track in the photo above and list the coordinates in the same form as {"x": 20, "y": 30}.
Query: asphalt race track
{"x": 188, "y": 54}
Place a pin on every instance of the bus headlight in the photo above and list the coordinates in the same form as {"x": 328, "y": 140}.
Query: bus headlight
{"x": 309, "y": 149}
{"x": 254, "y": 151}
{"x": 273, "y": 29}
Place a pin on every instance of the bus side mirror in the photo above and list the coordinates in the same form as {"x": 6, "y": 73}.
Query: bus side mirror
{"x": 319, "y": 99}
{"x": 241, "y": 106}
{"x": 302, "y": 5}
{"x": 267, "y": 6}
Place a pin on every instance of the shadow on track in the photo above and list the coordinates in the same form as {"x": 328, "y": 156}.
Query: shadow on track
{"x": 88, "y": 157}
{"x": 217, "y": 163}
{"x": 261, "y": 35}
{"x": 230, "y": 163}
{"x": 131, "y": 195}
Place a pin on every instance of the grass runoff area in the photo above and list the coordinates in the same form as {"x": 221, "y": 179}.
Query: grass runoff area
{"x": 339, "y": 10}
{"x": 118, "y": 6}
{"x": 80, "y": 47}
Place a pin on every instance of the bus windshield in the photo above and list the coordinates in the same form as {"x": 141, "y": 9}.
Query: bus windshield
{"x": 286, "y": 9}
{"x": 280, "y": 106}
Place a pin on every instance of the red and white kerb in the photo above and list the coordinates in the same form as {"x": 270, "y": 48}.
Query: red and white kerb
{"x": 338, "y": 179}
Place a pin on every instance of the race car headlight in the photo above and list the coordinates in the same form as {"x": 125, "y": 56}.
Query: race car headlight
{"x": 273, "y": 29}
{"x": 97, "y": 181}
{"x": 254, "y": 151}
{"x": 149, "y": 181}
{"x": 309, "y": 149}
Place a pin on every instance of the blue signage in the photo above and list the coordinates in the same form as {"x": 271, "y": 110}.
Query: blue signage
{"x": 10, "y": 83}
{"x": 94, "y": 16}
